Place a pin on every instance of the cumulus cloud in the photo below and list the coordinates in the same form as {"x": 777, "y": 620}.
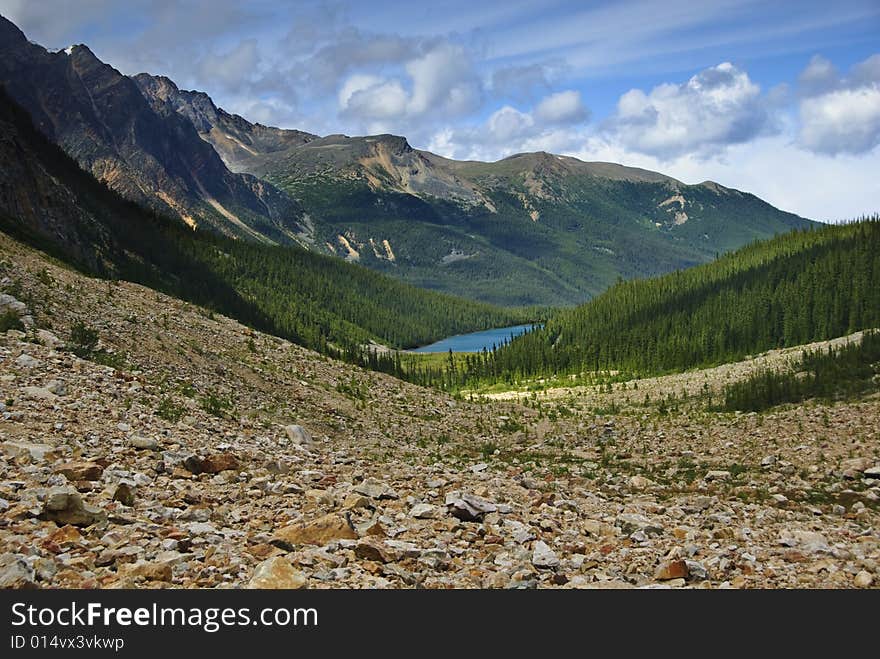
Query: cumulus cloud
{"x": 818, "y": 77}
{"x": 371, "y": 97}
{"x": 840, "y": 114}
{"x": 508, "y": 124}
{"x": 556, "y": 123}
{"x": 715, "y": 108}
{"x": 562, "y": 108}
{"x": 439, "y": 83}
{"x": 443, "y": 79}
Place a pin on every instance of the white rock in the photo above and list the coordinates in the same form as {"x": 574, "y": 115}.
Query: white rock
{"x": 423, "y": 511}
{"x": 543, "y": 556}
{"x": 864, "y": 579}
{"x": 24, "y": 360}
{"x": 300, "y": 436}
{"x": 807, "y": 540}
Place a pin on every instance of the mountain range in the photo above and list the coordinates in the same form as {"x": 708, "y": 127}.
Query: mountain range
{"x": 531, "y": 229}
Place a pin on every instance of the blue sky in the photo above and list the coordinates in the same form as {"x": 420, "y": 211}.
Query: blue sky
{"x": 777, "y": 98}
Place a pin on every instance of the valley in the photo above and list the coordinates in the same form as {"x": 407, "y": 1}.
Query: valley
{"x": 166, "y": 458}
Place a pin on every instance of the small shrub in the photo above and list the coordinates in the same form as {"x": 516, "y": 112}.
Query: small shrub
{"x": 9, "y": 320}
{"x": 83, "y": 340}
{"x": 169, "y": 410}
{"x": 215, "y": 405}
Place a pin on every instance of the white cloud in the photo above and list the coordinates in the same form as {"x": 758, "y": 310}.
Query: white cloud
{"x": 812, "y": 185}
{"x": 561, "y": 108}
{"x": 443, "y": 80}
{"x": 819, "y": 76}
{"x": 509, "y": 124}
{"x": 384, "y": 100}
{"x": 232, "y": 68}
{"x": 837, "y": 114}
{"x": 717, "y": 107}
{"x": 845, "y": 121}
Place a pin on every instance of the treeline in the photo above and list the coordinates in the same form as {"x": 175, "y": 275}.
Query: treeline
{"x": 317, "y": 301}
{"x": 838, "y": 372}
{"x": 799, "y": 287}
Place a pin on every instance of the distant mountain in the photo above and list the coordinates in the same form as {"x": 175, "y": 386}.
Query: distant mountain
{"x": 318, "y": 301}
{"x": 534, "y": 228}
{"x": 145, "y": 151}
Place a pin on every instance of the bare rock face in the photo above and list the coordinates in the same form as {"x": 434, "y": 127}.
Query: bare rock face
{"x": 320, "y": 531}
{"x": 277, "y": 573}
{"x": 137, "y": 144}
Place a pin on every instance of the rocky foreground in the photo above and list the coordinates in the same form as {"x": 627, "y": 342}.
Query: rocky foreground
{"x": 186, "y": 450}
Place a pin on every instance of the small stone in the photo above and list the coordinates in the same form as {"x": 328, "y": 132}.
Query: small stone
{"x": 160, "y": 571}
{"x": 37, "y": 452}
{"x": 370, "y": 550}
{"x": 215, "y": 463}
{"x": 353, "y": 501}
{"x": 375, "y": 489}
{"x": 863, "y": 579}
{"x": 671, "y": 570}
{"x": 65, "y": 535}
{"x": 124, "y": 494}
{"x": 717, "y": 475}
{"x": 24, "y": 360}
{"x": 143, "y": 443}
{"x": 38, "y": 393}
{"x": 300, "y": 436}
{"x": 48, "y": 339}
{"x": 80, "y": 471}
{"x": 320, "y": 531}
{"x": 423, "y": 511}
{"x": 543, "y": 556}
{"x": 696, "y": 570}
{"x": 805, "y": 540}
{"x": 779, "y": 498}
{"x": 640, "y": 482}
{"x": 479, "y": 467}
{"x": 17, "y": 575}
{"x": 277, "y": 573}
{"x": 57, "y": 387}
{"x": 65, "y": 506}
{"x": 872, "y": 472}
{"x": 468, "y": 507}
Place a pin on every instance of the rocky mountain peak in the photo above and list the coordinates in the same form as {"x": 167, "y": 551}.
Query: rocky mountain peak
{"x": 9, "y": 32}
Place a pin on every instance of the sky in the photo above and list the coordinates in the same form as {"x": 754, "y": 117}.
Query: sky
{"x": 781, "y": 99}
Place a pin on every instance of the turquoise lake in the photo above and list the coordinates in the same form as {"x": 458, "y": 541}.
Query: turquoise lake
{"x": 475, "y": 341}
